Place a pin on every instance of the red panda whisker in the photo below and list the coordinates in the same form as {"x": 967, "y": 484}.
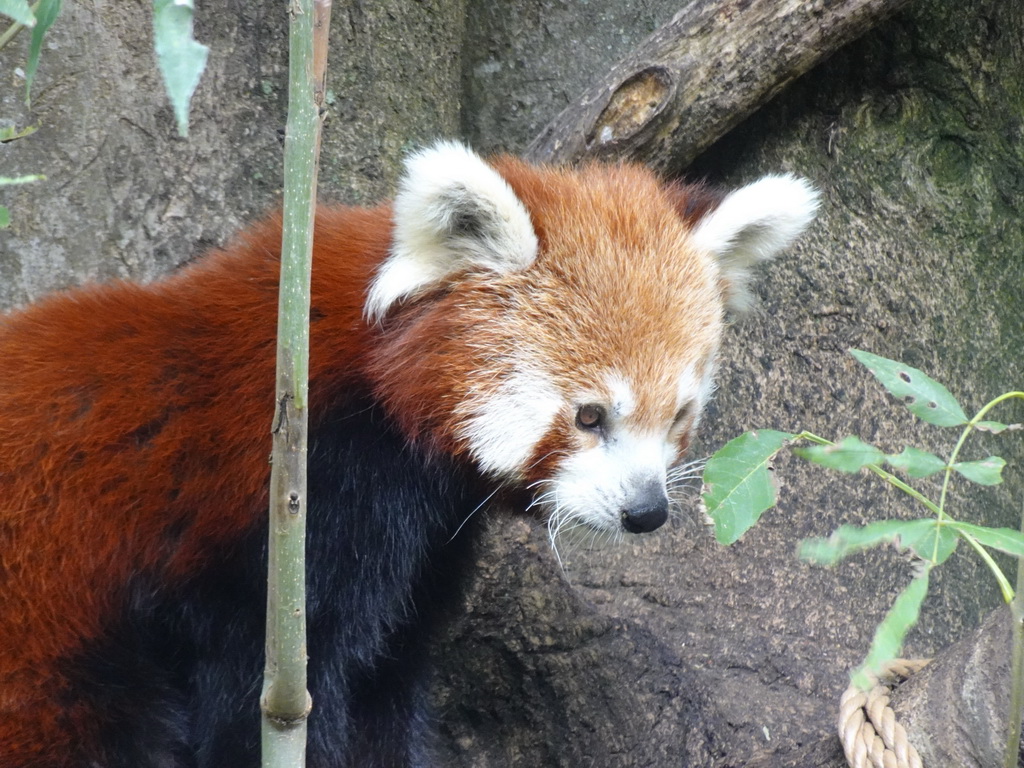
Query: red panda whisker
{"x": 573, "y": 528}
{"x": 682, "y": 473}
{"x": 681, "y": 482}
{"x": 560, "y": 517}
{"x": 476, "y": 509}
{"x": 561, "y": 452}
{"x": 540, "y": 500}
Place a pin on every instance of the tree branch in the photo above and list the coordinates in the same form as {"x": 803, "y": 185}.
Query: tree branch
{"x": 698, "y": 76}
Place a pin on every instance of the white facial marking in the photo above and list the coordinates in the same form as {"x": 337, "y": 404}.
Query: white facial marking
{"x": 506, "y": 425}
{"x": 687, "y": 388}
{"x": 623, "y": 402}
{"x": 755, "y": 222}
{"x": 592, "y": 487}
{"x": 707, "y": 388}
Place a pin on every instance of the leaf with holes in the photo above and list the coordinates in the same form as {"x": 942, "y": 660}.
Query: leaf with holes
{"x": 925, "y": 397}
{"x": 918, "y": 535}
{"x": 890, "y": 633}
{"x": 916, "y": 463}
{"x": 984, "y": 472}
{"x": 738, "y": 486}
{"x": 851, "y": 454}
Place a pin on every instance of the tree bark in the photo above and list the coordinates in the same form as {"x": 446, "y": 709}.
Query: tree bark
{"x": 699, "y": 75}
{"x": 956, "y": 709}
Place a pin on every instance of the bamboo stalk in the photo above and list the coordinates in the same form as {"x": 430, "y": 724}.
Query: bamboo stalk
{"x": 285, "y": 702}
{"x": 1013, "y": 728}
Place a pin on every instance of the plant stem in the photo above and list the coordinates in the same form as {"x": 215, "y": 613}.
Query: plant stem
{"x": 887, "y": 476}
{"x": 1017, "y": 674}
{"x": 960, "y": 443}
{"x": 942, "y": 516}
{"x": 284, "y": 702}
{"x": 1004, "y": 584}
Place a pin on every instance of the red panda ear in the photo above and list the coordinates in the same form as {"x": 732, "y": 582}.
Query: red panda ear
{"x": 452, "y": 213}
{"x": 693, "y": 201}
{"x": 753, "y": 224}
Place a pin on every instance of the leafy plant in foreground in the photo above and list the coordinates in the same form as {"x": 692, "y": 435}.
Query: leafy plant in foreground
{"x": 738, "y": 488}
{"x": 180, "y": 58}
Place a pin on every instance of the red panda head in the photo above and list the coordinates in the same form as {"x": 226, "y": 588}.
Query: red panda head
{"x": 560, "y": 328}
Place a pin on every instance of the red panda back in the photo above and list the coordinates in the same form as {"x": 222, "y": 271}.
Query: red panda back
{"x": 135, "y": 438}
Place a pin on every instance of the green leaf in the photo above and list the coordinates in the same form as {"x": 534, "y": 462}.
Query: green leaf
{"x": 11, "y": 133}
{"x": 738, "y": 486}
{"x": 1007, "y": 540}
{"x": 984, "y": 472}
{"x": 46, "y": 14}
{"x": 19, "y": 11}
{"x": 180, "y": 58}
{"x": 917, "y": 535}
{"x": 851, "y": 454}
{"x": 925, "y": 397}
{"x": 8, "y": 180}
{"x": 930, "y": 540}
{"x": 847, "y": 539}
{"x": 5, "y": 217}
{"x": 890, "y": 633}
{"x": 994, "y": 427}
{"x": 916, "y": 463}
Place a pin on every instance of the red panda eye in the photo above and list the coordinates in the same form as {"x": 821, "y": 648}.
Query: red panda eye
{"x": 590, "y": 417}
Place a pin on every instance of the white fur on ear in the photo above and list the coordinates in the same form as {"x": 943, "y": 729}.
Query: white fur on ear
{"x": 753, "y": 224}
{"x": 452, "y": 212}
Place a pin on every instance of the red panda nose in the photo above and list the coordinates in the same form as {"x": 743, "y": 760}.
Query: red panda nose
{"x": 648, "y": 512}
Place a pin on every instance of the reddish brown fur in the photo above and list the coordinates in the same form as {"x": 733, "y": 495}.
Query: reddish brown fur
{"x": 90, "y": 496}
{"x": 615, "y": 285}
{"x": 135, "y": 432}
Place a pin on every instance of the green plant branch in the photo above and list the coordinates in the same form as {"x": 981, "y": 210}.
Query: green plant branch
{"x": 1017, "y": 667}
{"x": 941, "y": 516}
{"x": 993, "y": 403}
{"x": 887, "y": 476}
{"x": 949, "y": 473}
{"x": 735, "y": 481}
{"x": 738, "y": 489}
{"x": 1004, "y": 583}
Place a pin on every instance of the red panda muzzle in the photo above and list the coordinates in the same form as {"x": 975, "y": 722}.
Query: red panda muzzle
{"x": 648, "y": 511}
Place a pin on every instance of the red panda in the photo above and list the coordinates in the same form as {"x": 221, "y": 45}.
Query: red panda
{"x": 498, "y": 326}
